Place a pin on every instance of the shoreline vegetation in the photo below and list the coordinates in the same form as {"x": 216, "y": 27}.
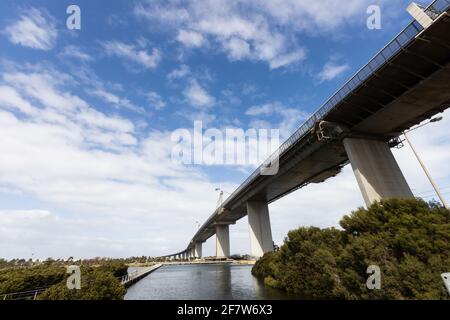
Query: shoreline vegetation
{"x": 47, "y": 280}
{"x": 408, "y": 239}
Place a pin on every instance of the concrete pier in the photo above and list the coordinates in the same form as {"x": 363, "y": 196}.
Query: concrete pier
{"x": 198, "y": 249}
{"x": 260, "y": 230}
{"x": 223, "y": 241}
{"x": 376, "y": 171}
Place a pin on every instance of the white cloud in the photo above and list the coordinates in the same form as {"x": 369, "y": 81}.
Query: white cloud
{"x": 238, "y": 49}
{"x": 287, "y": 59}
{"x": 289, "y": 118}
{"x": 179, "y": 73}
{"x": 10, "y": 98}
{"x": 265, "y": 109}
{"x": 190, "y": 38}
{"x": 42, "y": 233}
{"x": 332, "y": 70}
{"x": 241, "y": 35}
{"x": 197, "y": 96}
{"x": 260, "y": 124}
{"x": 41, "y": 86}
{"x": 115, "y": 100}
{"x": 133, "y": 53}
{"x": 39, "y": 93}
{"x": 58, "y": 151}
{"x": 156, "y": 100}
{"x": 76, "y": 53}
{"x": 35, "y": 29}
{"x": 256, "y": 30}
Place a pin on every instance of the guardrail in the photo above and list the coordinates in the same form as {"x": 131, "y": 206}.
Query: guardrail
{"x": 24, "y": 295}
{"x": 135, "y": 276}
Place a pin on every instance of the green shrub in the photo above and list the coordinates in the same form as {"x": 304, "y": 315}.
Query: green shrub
{"x": 96, "y": 284}
{"x": 24, "y": 279}
{"x": 407, "y": 238}
{"x": 117, "y": 268}
{"x": 262, "y": 269}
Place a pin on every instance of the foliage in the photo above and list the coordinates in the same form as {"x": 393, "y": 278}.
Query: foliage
{"x": 24, "y": 279}
{"x": 240, "y": 257}
{"x": 262, "y": 267}
{"x": 96, "y": 284}
{"x": 99, "y": 281}
{"x": 408, "y": 239}
{"x": 117, "y": 268}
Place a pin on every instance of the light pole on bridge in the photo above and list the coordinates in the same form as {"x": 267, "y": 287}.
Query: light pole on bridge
{"x": 220, "y": 200}
{"x": 433, "y": 183}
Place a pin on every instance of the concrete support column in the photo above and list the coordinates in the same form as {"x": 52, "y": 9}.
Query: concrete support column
{"x": 260, "y": 231}
{"x": 376, "y": 171}
{"x": 222, "y": 241}
{"x": 198, "y": 249}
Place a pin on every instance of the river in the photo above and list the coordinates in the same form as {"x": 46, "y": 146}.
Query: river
{"x": 203, "y": 282}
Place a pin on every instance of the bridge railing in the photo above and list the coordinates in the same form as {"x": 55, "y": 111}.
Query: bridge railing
{"x": 24, "y": 295}
{"x": 384, "y": 55}
{"x": 137, "y": 274}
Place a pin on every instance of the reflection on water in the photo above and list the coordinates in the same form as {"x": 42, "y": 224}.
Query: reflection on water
{"x": 203, "y": 282}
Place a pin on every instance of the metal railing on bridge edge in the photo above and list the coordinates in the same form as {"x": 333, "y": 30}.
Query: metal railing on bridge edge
{"x": 137, "y": 273}
{"x": 24, "y": 295}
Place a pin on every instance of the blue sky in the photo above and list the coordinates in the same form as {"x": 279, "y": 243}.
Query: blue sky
{"x": 86, "y": 115}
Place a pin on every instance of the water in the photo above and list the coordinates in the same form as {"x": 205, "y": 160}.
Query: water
{"x": 203, "y": 282}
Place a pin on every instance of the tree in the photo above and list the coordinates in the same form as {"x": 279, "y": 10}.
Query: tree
{"x": 407, "y": 238}
{"x": 96, "y": 284}
{"x": 24, "y": 279}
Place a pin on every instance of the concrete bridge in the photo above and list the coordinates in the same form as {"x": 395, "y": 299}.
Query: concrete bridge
{"x": 407, "y": 82}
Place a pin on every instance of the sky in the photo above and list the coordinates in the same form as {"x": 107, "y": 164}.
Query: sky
{"x": 87, "y": 116}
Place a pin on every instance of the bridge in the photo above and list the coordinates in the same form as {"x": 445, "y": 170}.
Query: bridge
{"x": 133, "y": 277}
{"x": 406, "y": 82}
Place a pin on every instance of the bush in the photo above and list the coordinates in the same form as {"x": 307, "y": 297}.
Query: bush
{"x": 262, "y": 268}
{"x": 408, "y": 239}
{"x": 118, "y": 269}
{"x": 24, "y": 279}
{"x": 96, "y": 284}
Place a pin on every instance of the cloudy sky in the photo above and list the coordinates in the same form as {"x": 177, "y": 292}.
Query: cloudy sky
{"x": 86, "y": 116}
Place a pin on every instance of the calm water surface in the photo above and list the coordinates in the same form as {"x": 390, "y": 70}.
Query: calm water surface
{"x": 203, "y": 282}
